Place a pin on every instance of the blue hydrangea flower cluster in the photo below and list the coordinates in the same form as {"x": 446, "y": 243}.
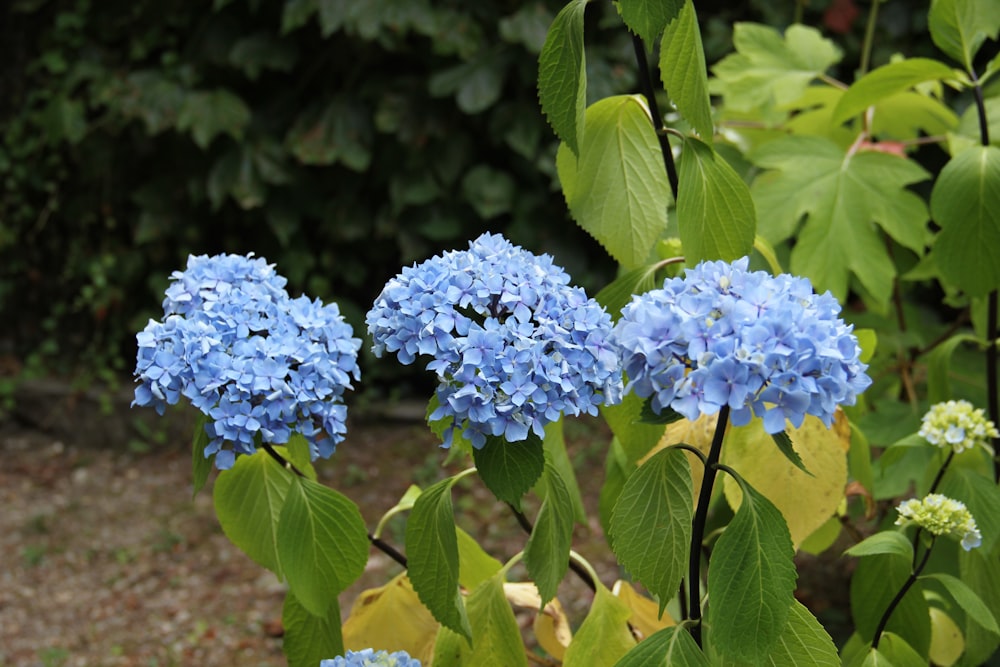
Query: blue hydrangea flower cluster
{"x": 259, "y": 363}
{"x": 512, "y": 344}
{"x": 764, "y": 345}
{"x": 371, "y": 658}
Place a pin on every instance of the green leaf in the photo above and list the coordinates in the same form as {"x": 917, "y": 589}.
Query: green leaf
{"x": 967, "y": 599}
{"x": 474, "y": 565}
{"x": 322, "y": 544}
{"x": 802, "y": 642}
{"x": 207, "y": 114}
{"x": 509, "y": 469}
{"x": 619, "y": 292}
{"x": 965, "y": 202}
{"x": 617, "y": 469}
{"x": 876, "y": 659}
{"x": 300, "y": 455}
{"x": 651, "y": 523}
{"x": 899, "y": 653}
{"x": 751, "y": 579}
{"x": 496, "y": 638}
{"x": 432, "y": 556}
{"x": 978, "y": 569}
{"x": 562, "y": 75}
{"x": 603, "y": 637}
{"x": 670, "y": 647}
{"x": 784, "y": 444}
{"x": 648, "y": 18}
{"x": 546, "y": 554}
{"x": 666, "y": 416}
{"x": 875, "y": 582}
{"x": 885, "y": 542}
{"x": 885, "y": 82}
{"x": 682, "y": 69}
{"x": 982, "y": 498}
{"x": 340, "y": 132}
{"x": 261, "y": 51}
{"x": 959, "y": 27}
{"x": 768, "y": 70}
{"x": 555, "y": 452}
{"x": 489, "y": 191}
{"x": 939, "y": 367}
{"x": 635, "y": 436}
{"x": 248, "y": 499}
{"x": 476, "y": 85}
{"x": 309, "y": 639}
{"x": 618, "y": 190}
{"x": 201, "y": 465}
{"x": 715, "y": 212}
{"x": 296, "y": 13}
{"x": 841, "y": 194}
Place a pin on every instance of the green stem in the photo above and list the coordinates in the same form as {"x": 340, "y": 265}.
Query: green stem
{"x": 698, "y": 524}
{"x": 912, "y": 579}
{"x": 866, "y": 47}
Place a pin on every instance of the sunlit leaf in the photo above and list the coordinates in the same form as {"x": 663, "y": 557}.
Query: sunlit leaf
{"x": 496, "y": 639}
{"x": 551, "y": 626}
{"x": 603, "y": 637}
{"x": 885, "y": 82}
{"x": 391, "y": 618}
{"x": 671, "y": 647}
{"x": 959, "y": 27}
{"x": 646, "y": 618}
{"x": 682, "y": 69}
{"x": 803, "y": 641}
{"x": 562, "y": 75}
{"x": 947, "y": 642}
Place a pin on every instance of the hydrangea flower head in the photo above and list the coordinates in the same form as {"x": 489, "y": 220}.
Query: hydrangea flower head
{"x": 371, "y": 658}
{"x": 259, "y": 363}
{"x": 512, "y": 344}
{"x": 941, "y": 515}
{"x": 764, "y": 345}
{"x": 958, "y": 426}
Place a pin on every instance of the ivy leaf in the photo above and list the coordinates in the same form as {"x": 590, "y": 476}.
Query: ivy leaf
{"x": 651, "y": 523}
{"x": 248, "y": 500}
{"x": 309, "y": 639}
{"x": 683, "y": 71}
{"x": 887, "y": 81}
{"x": 768, "y": 70}
{"x": 959, "y": 27}
{"x": 618, "y": 190}
{"x": 509, "y": 469}
{"x": 965, "y": 202}
{"x": 715, "y": 212}
{"x": 841, "y": 194}
{"x": 648, "y": 18}
{"x": 670, "y": 647}
{"x": 751, "y": 580}
{"x": 432, "y": 556}
{"x": 322, "y": 544}
{"x": 546, "y": 553}
{"x": 562, "y": 75}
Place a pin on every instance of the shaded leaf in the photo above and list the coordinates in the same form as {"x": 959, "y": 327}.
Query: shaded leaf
{"x": 546, "y": 553}
{"x": 875, "y": 582}
{"x": 509, "y": 469}
{"x": 207, "y": 114}
{"x": 648, "y": 18}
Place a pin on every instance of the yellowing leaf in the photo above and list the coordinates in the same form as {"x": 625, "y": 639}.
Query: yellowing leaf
{"x": 391, "y": 618}
{"x": 806, "y": 502}
{"x": 551, "y": 626}
{"x": 645, "y": 619}
{"x": 947, "y": 642}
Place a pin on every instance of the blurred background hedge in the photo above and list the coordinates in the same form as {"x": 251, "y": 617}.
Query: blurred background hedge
{"x": 339, "y": 139}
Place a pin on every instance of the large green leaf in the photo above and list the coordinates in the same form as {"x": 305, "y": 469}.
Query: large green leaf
{"x": 617, "y": 189}
{"x": 322, "y": 544}
{"x": 875, "y": 583}
{"x": 979, "y": 570}
{"x": 770, "y": 70}
{"x": 554, "y": 444}
{"x": 651, "y": 523}
{"x": 432, "y": 557}
{"x": 509, "y": 469}
{"x": 562, "y": 75}
{"x": 803, "y": 642}
{"x": 496, "y": 639}
{"x": 981, "y": 496}
{"x": 309, "y": 639}
{"x": 965, "y": 202}
{"x": 715, "y": 212}
{"x": 546, "y": 554}
{"x": 751, "y": 579}
{"x": 887, "y": 81}
{"x": 968, "y": 600}
{"x": 959, "y": 27}
{"x": 474, "y": 565}
{"x": 682, "y": 69}
{"x": 670, "y": 647}
{"x": 604, "y": 636}
{"x": 248, "y": 501}
{"x": 841, "y": 194}
{"x": 635, "y": 436}
{"x": 648, "y": 18}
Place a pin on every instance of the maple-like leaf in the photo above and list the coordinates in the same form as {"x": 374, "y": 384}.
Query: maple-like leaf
{"x": 845, "y": 198}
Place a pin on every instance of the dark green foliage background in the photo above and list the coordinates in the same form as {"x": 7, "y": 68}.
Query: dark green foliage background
{"x": 340, "y": 140}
